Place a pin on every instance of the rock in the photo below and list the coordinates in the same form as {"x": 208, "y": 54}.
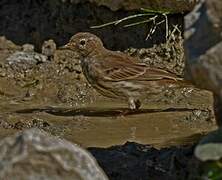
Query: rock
{"x": 28, "y": 48}
{"x": 135, "y": 161}
{"x": 59, "y": 21}
{"x": 169, "y": 56}
{"x": 68, "y": 60}
{"x": 203, "y": 45}
{"x": 209, "y": 153}
{"x": 49, "y": 48}
{"x": 175, "y": 6}
{"x": 21, "y": 61}
{"x": 210, "y": 147}
{"x": 7, "y": 48}
{"x": 23, "y": 57}
{"x": 34, "y": 154}
{"x": 7, "y": 44}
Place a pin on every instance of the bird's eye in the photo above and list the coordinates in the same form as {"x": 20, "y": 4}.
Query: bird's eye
{"x": 82, "y": 42}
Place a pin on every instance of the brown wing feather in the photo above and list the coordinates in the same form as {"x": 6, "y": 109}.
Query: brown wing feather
{"x": 119, "y": 73}
{"x": 122, "y": 67}
{"x": 155, "y": 74}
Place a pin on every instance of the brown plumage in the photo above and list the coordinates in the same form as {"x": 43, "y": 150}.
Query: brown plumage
{"x": 117, "y": 75}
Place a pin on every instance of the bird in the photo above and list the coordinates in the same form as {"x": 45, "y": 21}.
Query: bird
{"x": 117, "y": 75}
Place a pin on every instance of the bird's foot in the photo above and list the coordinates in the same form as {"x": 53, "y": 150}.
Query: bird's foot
{"x": 134, "y": 104}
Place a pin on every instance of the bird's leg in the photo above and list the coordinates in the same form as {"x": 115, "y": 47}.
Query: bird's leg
{"x": 138, "y": 103}
{"x": 134, "y": 104}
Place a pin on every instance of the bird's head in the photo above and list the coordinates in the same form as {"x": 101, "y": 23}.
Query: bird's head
{"x": 85, "y": 43}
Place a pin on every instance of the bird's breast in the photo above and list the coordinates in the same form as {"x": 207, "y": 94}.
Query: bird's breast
{"x": 89, "y": 70}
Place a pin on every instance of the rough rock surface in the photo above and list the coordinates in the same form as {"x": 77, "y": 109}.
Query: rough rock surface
{"x": 210, "y": 147}
{"x": 175, "y": 6}
{"x": 203, "y": 45}
{"x": 34, "y": 154}
{"x": 203, "y": 48}
{"x": 61, "y": 79}
{"x": 49, "y": 48}
{"x": 169, "y": 56}
{"x": 31, "y": 21}
{"x": 134, "y": 161}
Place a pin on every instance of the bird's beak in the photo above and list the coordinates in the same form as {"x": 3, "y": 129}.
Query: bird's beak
{"x": 67, "y": 47}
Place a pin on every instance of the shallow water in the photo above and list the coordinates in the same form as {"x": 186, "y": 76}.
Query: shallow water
{"x": 107, "y": 123}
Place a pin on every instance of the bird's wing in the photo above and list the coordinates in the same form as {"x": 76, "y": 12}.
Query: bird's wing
{"x": 119, "y": 68}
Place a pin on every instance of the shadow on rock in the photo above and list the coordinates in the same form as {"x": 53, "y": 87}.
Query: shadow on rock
{"x": 135, "y": 161}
